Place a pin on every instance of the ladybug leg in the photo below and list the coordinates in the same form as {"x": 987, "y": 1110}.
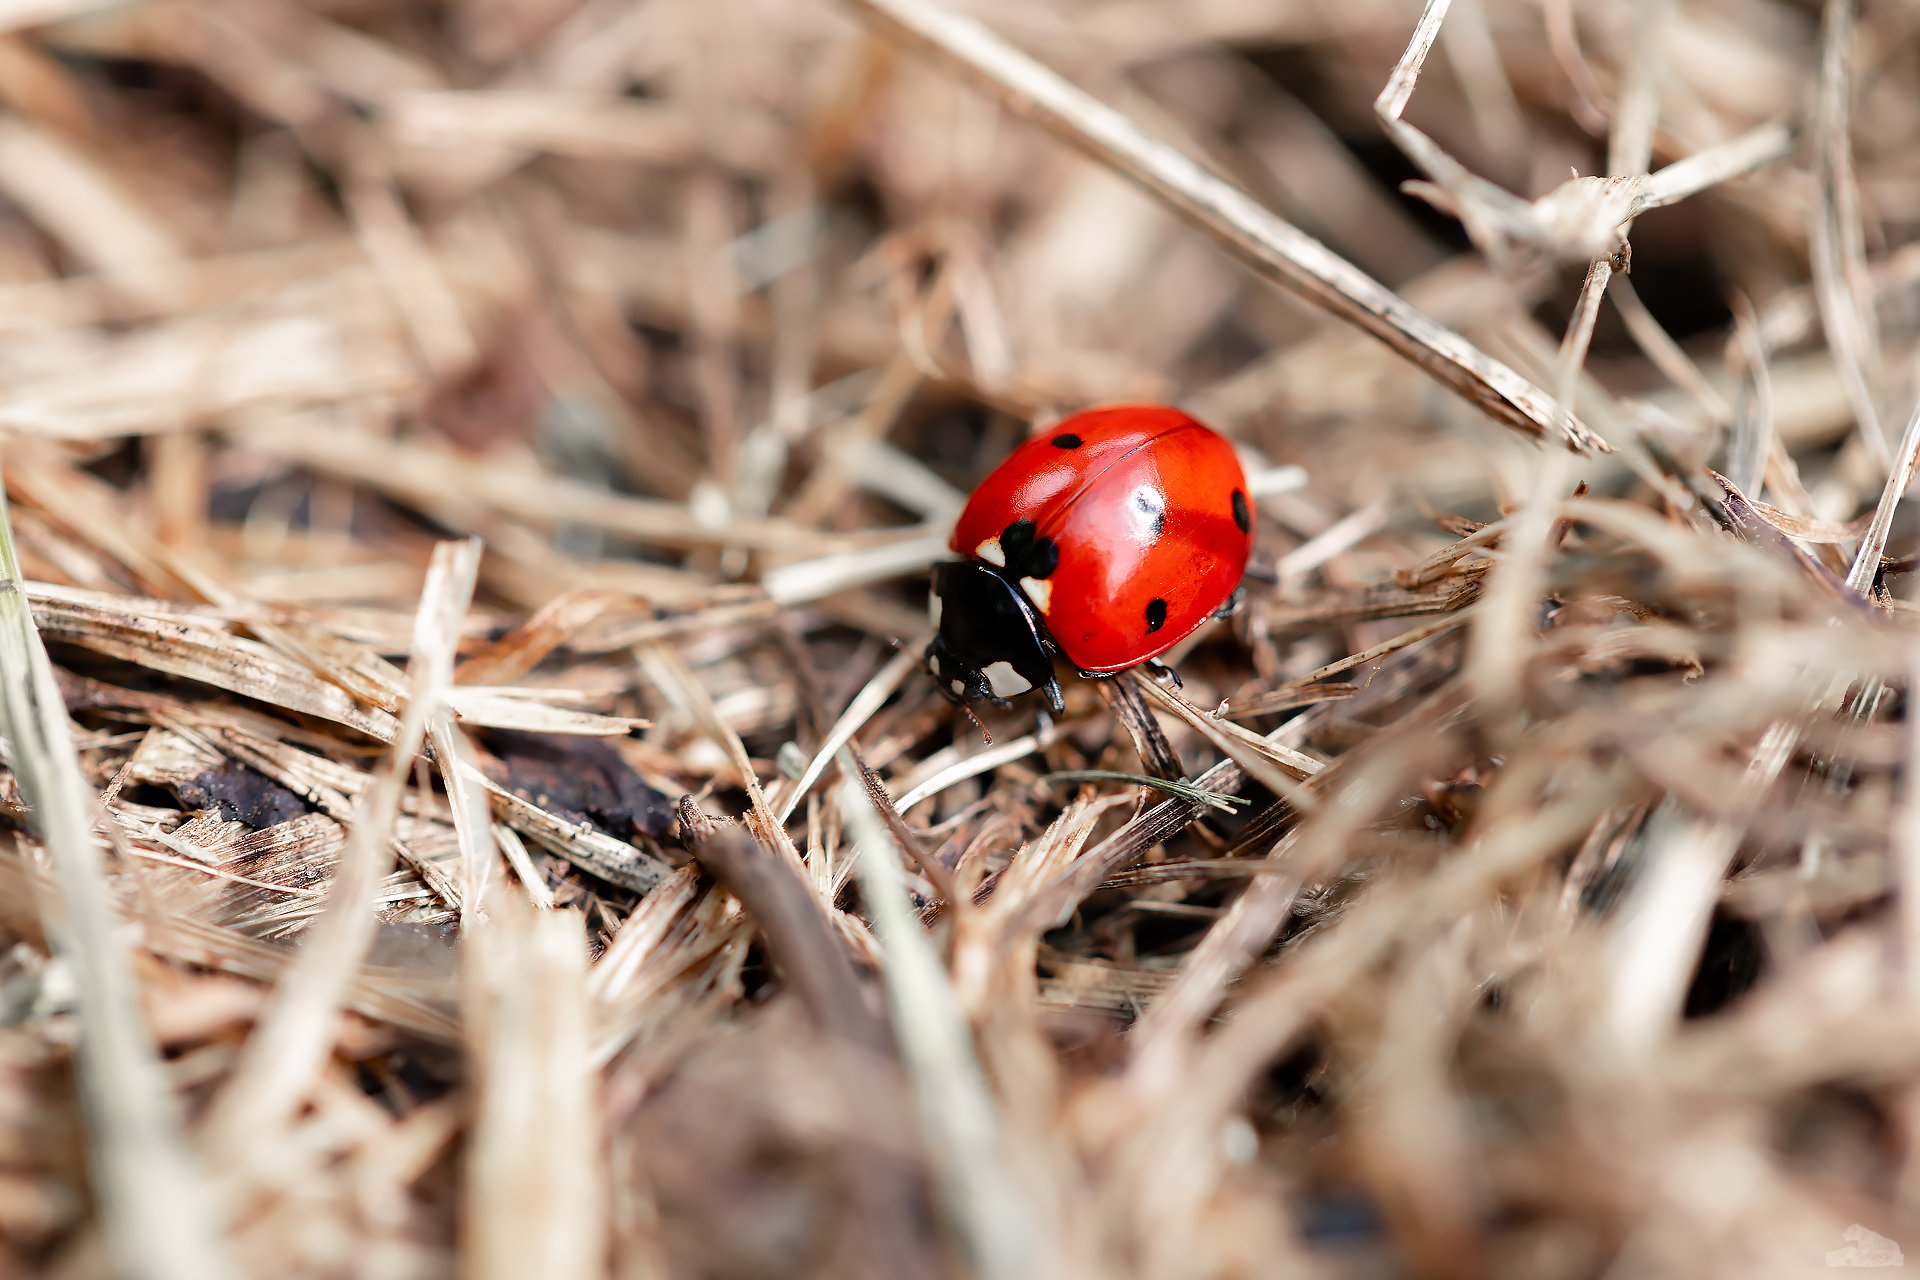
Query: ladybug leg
{"x": 1051, "y": 691}
{"x": 1161, "y": 672}
{"x": 1232, "y": 603}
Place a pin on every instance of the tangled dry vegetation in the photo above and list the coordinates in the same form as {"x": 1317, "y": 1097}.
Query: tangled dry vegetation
{"x": 472, "y": 470}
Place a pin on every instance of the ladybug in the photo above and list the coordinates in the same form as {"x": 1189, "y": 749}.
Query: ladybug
{"x": 1107, "y": 541}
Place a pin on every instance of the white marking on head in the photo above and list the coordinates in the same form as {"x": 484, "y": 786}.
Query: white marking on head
{"x": 1040, "y": 591}
{"x": 933, "y": 608}
{"x": 1004, "y": 680}
{"x": 990, "y": 552}
{"x": 960, "y": 687}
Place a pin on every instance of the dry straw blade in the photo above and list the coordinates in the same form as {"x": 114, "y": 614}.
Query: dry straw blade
{"x": 289, "y": 1048}
{"x": 535, "y": 1204}
{"x": 1267, "y": 242}
{"x": 997, "y": 1236}
{"x": 159, "y": 1215}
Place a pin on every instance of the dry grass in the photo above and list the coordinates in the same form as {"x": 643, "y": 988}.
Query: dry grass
{"x": 469, "y": 466}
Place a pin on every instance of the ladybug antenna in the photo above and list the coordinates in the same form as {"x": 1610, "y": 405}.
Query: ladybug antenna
{"x": 979, "y": 724}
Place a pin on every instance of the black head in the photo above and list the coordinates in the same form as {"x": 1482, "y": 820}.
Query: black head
{"x": 988, "y": 646}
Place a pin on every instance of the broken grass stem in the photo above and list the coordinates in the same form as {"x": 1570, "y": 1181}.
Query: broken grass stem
{"x": 1274, "y": 247}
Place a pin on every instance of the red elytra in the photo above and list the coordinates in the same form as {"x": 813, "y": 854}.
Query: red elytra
{"x": 1119, "y": 532}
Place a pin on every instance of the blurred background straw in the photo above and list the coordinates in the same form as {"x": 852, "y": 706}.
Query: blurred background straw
{"x": 471, "y": 468}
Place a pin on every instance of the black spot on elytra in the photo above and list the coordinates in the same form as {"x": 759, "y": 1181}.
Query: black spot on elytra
{"x": 1242, "y": 516}
{"x": 1028, "y": 556}
{"x": 1153, "y": 506}
{"x": 1156, "y": 614}
{"x": 1066, "y": 440}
